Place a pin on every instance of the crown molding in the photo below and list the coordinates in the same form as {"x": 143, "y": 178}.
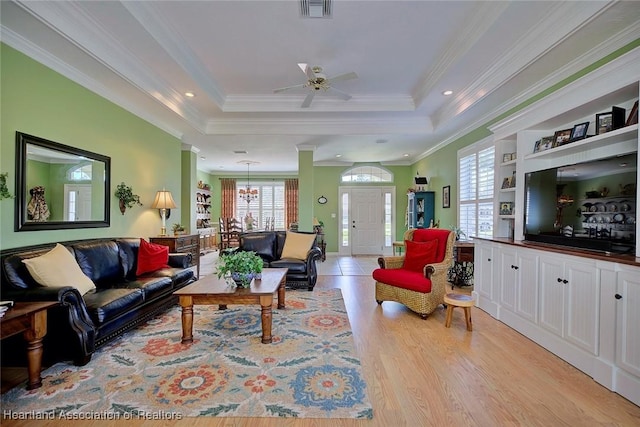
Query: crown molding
{"x": 397, "y": 163}
{"x": 483, "y": 17}
{"x": 622, "y": 39}
{"x": 70, "y": 21}
{"x": 189, "y": 147}
{"x": 328, "y": 163}
{"x": 600, "y": 82}
{"x": 326, "y": 103}
{"x": 563, "y": 20}
{"x": 305, "y": 147}
{"x": 319, "y": 126}
{"x": 160, "y": 28}
{"x": 44, "y": 57}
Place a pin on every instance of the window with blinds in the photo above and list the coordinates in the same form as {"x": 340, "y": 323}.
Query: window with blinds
{"x": 475, "y": 190}
{"x": 268, "y": 207}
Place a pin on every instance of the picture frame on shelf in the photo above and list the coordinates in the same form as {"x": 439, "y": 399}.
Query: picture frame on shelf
{"x": 604, "y": 123}
{"x": 509, "y": 182}
{"x": 536, "y": 146}
{"x": 633, "y": 116}
{"x": 543, "y": 143}
{"x": 579, "y": 131}
{"x": 561, "y": 137}
{"x": 506, "y": 208}
{"x": 619, "y": 114}
{"x": 446, "y": 196}
{"x": 506, "y": 157}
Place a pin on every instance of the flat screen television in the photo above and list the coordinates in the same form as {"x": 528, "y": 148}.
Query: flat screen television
{"x": 590, "y": 205}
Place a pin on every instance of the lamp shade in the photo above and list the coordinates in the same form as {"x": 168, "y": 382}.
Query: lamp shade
{"x": 163, "y": 200}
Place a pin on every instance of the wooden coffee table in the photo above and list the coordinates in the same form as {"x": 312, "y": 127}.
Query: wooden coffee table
{"x": 211, "y": 290}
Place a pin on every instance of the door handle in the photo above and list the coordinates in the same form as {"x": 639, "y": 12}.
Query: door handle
{"x": 618, "y": 296}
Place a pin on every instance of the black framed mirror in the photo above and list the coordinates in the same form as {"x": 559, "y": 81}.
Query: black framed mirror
{"x": 60, "y": 187}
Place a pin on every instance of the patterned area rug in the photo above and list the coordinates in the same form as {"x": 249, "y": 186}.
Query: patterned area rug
{"x": 309, "y": 371}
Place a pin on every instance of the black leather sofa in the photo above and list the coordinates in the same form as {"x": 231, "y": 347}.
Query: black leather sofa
{"x": 82, "y": 323}
{"x": 269, "y": 245}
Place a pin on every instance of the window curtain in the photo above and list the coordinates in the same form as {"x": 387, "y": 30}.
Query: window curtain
{"x": 290, "y": 201}
{"x": 228, "y": 197}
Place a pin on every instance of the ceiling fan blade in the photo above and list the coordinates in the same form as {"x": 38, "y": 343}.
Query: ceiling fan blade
{"x": 346, "y": 76}
{"x": 340, "y": 94}
{"x": 282, "y": 89}
{"x": 308, "y": 99}
{"x": 308, "y": 71}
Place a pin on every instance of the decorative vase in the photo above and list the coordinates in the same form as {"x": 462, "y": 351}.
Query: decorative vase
{"x": 122, "y": 206}
{"x": 242, "y": 278}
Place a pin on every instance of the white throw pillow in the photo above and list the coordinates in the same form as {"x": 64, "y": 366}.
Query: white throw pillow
{"x": 297, "y": 245}
{"x": 58, "y": 268}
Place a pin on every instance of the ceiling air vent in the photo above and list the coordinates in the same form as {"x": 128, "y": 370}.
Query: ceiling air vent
{"x": 315, "y": 8}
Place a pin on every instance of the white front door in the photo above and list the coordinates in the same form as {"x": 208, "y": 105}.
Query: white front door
{"x": 77, "y": 202}
{"x": 367, "y": 220}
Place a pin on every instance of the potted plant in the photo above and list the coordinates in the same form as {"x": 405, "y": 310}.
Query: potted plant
{"x": 241, "y": 266}
{"x": 4, "y": 191}
{"x": 458, "y": 231}
{"x": 318, "y": 225}
{"x": 177, "y": 229}
{"x": 126, "y": 197}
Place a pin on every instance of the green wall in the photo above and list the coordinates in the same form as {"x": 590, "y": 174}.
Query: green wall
{"x": 442, "y": 170}
{"x": 38, "y": 101}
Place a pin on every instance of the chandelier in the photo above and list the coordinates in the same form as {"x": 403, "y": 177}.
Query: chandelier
{"x": 248, "y": 194}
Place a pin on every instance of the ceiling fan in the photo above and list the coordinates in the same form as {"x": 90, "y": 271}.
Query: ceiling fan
{"x": 317, "y": 81}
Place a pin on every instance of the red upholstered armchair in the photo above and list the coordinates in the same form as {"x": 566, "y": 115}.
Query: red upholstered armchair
{"x": 419, "y": 278}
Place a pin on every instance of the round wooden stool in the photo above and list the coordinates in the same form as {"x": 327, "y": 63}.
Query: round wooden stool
{"x": 459, "y": 300}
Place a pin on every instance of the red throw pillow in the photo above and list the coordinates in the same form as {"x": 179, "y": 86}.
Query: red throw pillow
{"x": 419, "y": 254}
{"x": 151, "y": 257}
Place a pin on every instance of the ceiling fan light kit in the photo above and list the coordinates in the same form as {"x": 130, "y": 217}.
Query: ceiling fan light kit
{"x": 317, "y": 80}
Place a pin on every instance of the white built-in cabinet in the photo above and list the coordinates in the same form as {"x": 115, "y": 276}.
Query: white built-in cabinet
{"x": 627, "y": 298}
{"x": 519, "y": 275}
{"x": 584, "y": 310}
{"x": 569, "y": 300}
{"x": 582, "y": 307}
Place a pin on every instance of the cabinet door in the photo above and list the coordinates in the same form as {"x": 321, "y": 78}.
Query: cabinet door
{"x": 628, "y": 321}
{"x": 552, "y": 294}
{"x": 508, "y": 277}
{"x": 582, "y": 295}
{"x": 527, "y": 285}
{"x": 483, "y": 270}
{"x": 429, "y": 207}
{"x": 411, "y": 215}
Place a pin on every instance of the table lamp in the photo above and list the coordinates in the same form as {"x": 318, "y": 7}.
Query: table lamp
{"x": 163, "y": 201}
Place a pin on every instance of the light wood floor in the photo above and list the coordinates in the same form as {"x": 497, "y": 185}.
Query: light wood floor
{"x": 421, "y": 374}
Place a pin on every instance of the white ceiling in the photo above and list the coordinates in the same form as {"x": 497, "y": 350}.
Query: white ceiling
{"x": 144, "y": 55}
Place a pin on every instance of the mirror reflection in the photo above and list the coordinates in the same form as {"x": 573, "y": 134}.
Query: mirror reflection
{"x": 59, "y": 186}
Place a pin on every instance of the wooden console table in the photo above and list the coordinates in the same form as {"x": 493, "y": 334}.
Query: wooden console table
{"x": 30, "y": 318}
{"x": 461, "y": 274}
{"x": 189, "y": 243}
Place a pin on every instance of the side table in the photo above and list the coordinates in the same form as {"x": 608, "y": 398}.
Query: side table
{"x": 30, "y": 318}
{"x": 322, "y": 245}
{"x": 461, "y": 273}
{"x": 188, "y": 243}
